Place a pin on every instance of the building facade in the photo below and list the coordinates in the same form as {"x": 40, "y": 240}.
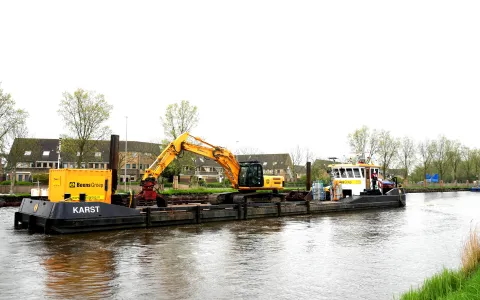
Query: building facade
{"x": 38, "y": 156}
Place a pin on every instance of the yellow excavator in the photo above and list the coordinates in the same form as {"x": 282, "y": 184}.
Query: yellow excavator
{"x": 246, "y": 177}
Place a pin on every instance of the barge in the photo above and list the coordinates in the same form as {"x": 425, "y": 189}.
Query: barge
{"x": 72, "y": 217}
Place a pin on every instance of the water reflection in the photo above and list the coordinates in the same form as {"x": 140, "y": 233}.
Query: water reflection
{"x": 78, "y": 266}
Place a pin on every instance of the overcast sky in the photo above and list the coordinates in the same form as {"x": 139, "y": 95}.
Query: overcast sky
{"x": 268, "y": 75}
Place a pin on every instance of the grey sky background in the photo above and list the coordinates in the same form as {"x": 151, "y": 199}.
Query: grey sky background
{"x": 268, "y": 75}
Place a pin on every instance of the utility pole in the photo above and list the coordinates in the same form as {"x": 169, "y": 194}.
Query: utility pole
{"x": 126, "y": 130}
{"x": 59, "y": 150}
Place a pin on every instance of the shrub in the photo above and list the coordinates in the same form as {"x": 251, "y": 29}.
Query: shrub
{"x": 471, "y": 252}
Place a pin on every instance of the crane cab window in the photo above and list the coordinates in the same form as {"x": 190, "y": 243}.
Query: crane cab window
{"x": 251, "y": 175}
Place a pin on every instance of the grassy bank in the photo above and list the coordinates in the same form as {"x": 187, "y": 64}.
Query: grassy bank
{"x": 454, "y": 284}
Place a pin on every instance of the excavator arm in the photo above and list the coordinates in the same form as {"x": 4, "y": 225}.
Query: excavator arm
{"x": 246, "y": 176}
{"x": 221, "y": 155}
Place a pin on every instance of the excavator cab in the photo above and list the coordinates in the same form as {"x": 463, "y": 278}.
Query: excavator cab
{"x": 251, "y": 174}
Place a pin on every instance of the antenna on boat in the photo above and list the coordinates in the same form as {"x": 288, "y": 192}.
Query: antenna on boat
{"x": 333, "y": 159}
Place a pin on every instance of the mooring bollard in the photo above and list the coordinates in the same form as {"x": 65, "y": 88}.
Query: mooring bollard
{"x": 279, "y": 209}
{"x": 32, "y": 223}
{"x": 239, "y": 212}
{"x": 17, "y": 220}
{"x": 245, "y": 210}
{"x": 308, "y": 206}
{"x": 198, "y": 214}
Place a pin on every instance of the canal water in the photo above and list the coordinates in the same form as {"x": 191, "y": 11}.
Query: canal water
{"x": 375, "y": 254}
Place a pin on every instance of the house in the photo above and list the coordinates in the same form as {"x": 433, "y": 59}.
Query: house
{"x": 210, "y": 171}
{"x": 204, "y": 168}
{"x": 37, "y": 156}
{"x": 273, "y": 164}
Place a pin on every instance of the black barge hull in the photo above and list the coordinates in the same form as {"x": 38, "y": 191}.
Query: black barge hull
{"x": 72, "y": 217}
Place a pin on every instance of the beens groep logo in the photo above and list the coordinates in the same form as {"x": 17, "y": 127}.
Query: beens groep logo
{"x": 71, "y": 184}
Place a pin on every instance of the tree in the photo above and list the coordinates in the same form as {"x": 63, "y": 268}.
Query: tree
{"x": 454, "y": 157}
{"x": 468, "y": 161}
{"x": 12, "y": 120}
{"x": 364, "y": 142}
{"x": 387, "y": 150}
{"x": 406, "y": 155}
{"x": 426, "y": 151}
{"x": 17, "y": 152}
{"x": 297, "y": 155}
{"x": 84, "y": 114}
{"x": 442, "y": 146}
{"x": 179, "y": 118}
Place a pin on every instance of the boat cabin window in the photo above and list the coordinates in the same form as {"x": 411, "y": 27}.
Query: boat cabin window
{"x": 363, "y": 172}
{"x": 349, "y": 172}
{"x": 356, "y": 172}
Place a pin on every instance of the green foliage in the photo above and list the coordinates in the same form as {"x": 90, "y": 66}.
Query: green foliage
{"x": 42, "y": 178}
{"x": 218, "y": 184}
{"x": 24, "y": 183}
{"x": 18, "y": 183}
{"x": 469, "y": 290}
{"x": 179, "y": 118}
{"x": 15, "y": 196}
{"x": 198, "y": 191}
{"x": 12, "y": 120}
{"x": 438, "y": 286}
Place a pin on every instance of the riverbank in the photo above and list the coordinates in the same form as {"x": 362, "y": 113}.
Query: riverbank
{"x": 436, "y": 189}
{"x": 454, "y": 284}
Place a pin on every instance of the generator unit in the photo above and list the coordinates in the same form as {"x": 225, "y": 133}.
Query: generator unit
{"x": 80, "y": 185}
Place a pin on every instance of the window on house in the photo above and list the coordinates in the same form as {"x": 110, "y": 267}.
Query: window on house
{"x": 201, "y": 159}
{"x": 65, "y": 165}
{"x": 27, "y": 153}
{"x": 46, "y": 153}
{"x": 50, "y": 165}
{"x": 98, "y": 154}
{"x": 20, "y": 177}
{"x": 140, "y": 166}
{"x": 32, "y": 165}
{"x": 38, "y": 165}
{"x": 134, "y": 166}
{"x": 128, "y": 166}
{"x": 83, "y": 165}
